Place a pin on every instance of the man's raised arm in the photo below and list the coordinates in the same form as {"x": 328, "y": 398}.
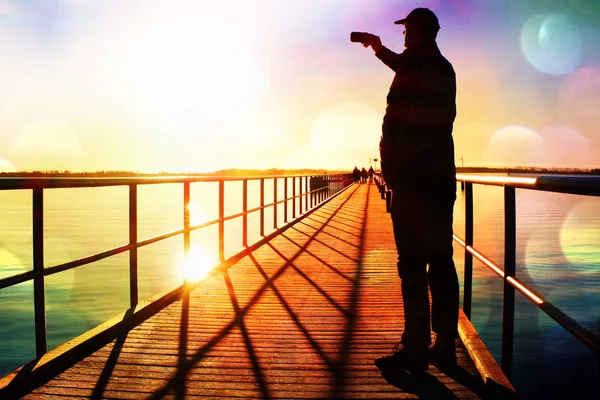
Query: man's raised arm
{"x": 387, "y": 56}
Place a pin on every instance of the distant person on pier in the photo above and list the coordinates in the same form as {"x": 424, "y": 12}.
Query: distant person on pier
{"x": 356, "y": 175}
{"x": 417, "y": 163}
{"x": 363, "y": 175}
{"x": 371, "y": 173}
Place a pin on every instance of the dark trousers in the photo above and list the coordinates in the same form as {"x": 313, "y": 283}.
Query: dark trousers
{"x": 422, "y": 219}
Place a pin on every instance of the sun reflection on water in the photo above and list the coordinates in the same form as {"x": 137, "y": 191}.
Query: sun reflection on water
{"x": 196, "y": 265}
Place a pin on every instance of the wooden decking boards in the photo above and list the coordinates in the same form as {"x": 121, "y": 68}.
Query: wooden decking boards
{"x": 304, "y": 316}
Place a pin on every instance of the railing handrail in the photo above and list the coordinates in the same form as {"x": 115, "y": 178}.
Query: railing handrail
{"x": 577, "y": 185}
{"x": 321, "y": 193}
{"x": 580, "y": 184}
{"x": 580, "y": 332}
{"x": 53, "y": 182}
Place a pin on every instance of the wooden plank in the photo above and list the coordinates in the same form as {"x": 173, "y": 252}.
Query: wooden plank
{"x": 303, "y": 316}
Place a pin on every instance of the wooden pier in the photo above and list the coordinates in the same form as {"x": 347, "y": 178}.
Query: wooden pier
{"x": 302, "y": 316}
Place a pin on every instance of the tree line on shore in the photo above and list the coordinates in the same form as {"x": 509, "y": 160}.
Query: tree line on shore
{"x": 276, "y": 171}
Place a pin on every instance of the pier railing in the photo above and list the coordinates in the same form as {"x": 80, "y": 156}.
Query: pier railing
{"x": 578, "y": 185}
{"x": 301, "y": 192}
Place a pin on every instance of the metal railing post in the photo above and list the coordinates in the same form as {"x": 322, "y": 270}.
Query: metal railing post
{"x": 245, "y": 216}
{"x": 508, "y": 301}
{"x": 300, "y": 198}
{"x": 312, "y": 195}
{"x": 133, "y": 256}
{"x": 285, "y": 196}
{"x": 468, "y": 277}
{"x": 294, "y": 196}
{"x": 186, "y": 218}
{"x": 318, "y": 190}
{"x": 306, "y": 190}
{"x": 262, "y": 207}
{"x": 274, "y": 203}
{"x": 39, "y": 300}
{"x": 388, "y": 201}
{"x": 221, "y": 220}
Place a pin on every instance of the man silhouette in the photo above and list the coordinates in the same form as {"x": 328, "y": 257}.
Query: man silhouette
{"x": 363, "y": 175}
{"x": 417, "y": 163}
{"x": 356, "y": 174}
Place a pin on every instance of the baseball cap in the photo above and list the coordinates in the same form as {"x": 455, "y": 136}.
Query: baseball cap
{"x": 422, "y": 17}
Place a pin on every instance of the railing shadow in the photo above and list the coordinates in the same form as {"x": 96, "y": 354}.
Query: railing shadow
{"x": 328, "y": 234}
{"x": 294, "y": 316}
{"x": 422, "y": 385}
{"x": 179, "y": 381}
{"x": 341, "y": 373}
{"x": 462, "y": 376}
{"x": 330, "y": 247}
{"x": 426, "y": 386}
{"x": 310, "y": 281}
{"x": 336, "y": 227}
{"x": 240, "y": 312}
{"x": 239, "y": 318}
{"x": 109, "y": 367}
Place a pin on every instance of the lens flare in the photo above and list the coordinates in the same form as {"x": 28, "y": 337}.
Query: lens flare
{"x": 346, "y": 124}
{"x": 578, "y": 99}
{"x": 579, "y": 238}
{"x": 197, "y": 216}
{"x": 469, "y": 139}
{"x": 542, "y": 264}
{"x": 564, "y": 146}
{"x": 6, "y": 166}
{"x": 552, "y": 44}
{"x": 479, "y": 96}
{"x": 10, "y": 264}
{"x": 48, "y": 137}
{"x": 509, "y": 146}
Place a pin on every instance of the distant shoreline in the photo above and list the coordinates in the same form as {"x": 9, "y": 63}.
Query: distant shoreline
{"x": 271, "y": 172}
{"x": 530, "y": 170}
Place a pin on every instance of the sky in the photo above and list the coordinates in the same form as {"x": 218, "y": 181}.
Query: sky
{"x": 199, "y": 85}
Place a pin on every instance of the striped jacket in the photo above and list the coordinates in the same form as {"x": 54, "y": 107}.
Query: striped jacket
{"x": 421, "y": 107}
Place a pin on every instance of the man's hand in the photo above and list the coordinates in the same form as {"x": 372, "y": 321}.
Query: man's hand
{"x": 374, "y": 41}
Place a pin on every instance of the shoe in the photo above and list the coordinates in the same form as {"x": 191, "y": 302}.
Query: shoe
{"x": 403, "y": 359}
{"x": 443, "y": 352}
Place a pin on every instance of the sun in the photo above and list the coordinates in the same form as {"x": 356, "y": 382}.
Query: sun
{"x": 196, "y": 265}
{"x": 190, "y": 69}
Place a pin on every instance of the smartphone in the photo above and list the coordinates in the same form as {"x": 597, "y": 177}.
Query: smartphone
{"x": 358, "y": 37}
